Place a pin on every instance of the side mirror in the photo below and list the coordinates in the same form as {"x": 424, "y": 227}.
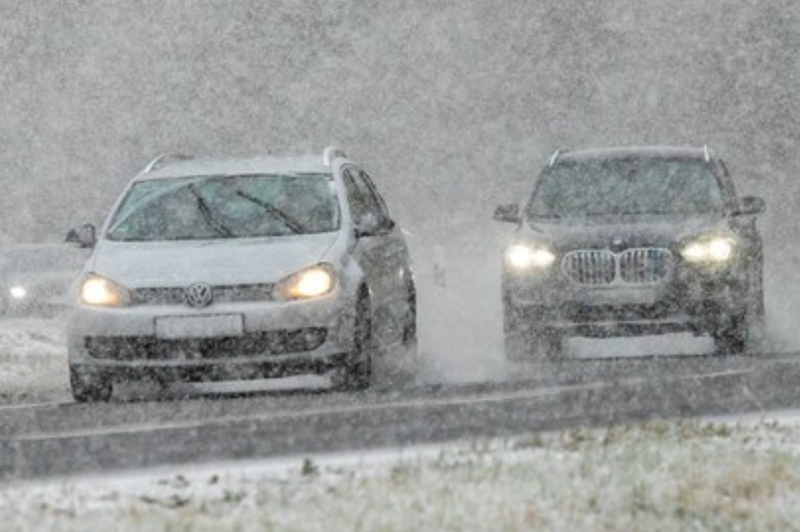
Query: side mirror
{"x": 508, "y": 213}
{"x": 750, "y": 206}
{"x": 373, "y": 226}
{"x": 82, "y": 236}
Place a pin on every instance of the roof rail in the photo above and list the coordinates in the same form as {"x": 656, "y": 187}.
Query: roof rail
{"x": 553, "y": 158}
{"x": 330, "y": 153}
{"x": 164, "y": 159}
{"x": 706, "y": 153}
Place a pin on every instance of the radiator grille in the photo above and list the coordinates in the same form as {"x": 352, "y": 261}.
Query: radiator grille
{"x": 221, "y": 294}
{"x": 644, "y": 265}
{"x": 632, "y": 266}
{"x": 590, "y": 266}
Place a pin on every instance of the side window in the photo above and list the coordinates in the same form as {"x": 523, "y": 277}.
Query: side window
{"x": 355, "y": 198}
{"x": 377, "y": 203}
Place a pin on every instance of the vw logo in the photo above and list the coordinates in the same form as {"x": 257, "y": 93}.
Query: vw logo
{"x": 199, "y": 295}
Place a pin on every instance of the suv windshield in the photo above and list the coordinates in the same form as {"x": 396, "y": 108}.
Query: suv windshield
{"x": 209, "y": 207}
{"x": 615, "y": 187}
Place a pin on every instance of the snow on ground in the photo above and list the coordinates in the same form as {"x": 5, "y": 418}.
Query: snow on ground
{"x": 33, "y": 360}
{"x": 677, "y": 476}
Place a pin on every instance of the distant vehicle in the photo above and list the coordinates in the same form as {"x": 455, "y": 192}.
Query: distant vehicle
{"x": 632, "y": 241}
{"x": 241, "y": 269}
{"x": 37, "y": 277}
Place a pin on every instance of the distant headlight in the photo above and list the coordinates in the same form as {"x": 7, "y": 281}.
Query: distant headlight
{"x": 18, "y": 292}
{"x": 524, "y": 257}
{"x": 710, "y": 250}
{"x": 100, "y": 292}
{"x": 312, "y": 282}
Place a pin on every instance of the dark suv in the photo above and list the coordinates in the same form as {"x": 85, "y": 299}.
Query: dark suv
{"x": 632, "y": 241}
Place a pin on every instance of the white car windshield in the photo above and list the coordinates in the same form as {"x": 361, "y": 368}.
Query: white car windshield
{"x": 626, "y": 187}
{"x": 211, "y": 207}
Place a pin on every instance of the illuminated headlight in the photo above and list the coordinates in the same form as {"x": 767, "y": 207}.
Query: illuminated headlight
{"x": 18, "y": 292}
{"x": 712, "y": 250}
{"x": 100, "y": 292}
{"x": 523, "y": 257}
{"x": 312, "y": 282}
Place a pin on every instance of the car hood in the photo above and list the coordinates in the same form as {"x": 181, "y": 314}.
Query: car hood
{"x": 619, "y": 234}
{"x": 217, "y": 262}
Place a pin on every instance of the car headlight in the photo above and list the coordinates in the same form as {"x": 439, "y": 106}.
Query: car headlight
{"x": 716, "y": 249}
{"x": 524, "y": 257}
{"x": 312, "y": 282}
{"x": 18, "y": 292}
{"x": 100, "y": 292}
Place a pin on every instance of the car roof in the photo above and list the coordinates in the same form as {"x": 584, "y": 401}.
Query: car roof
{"x": 245, "y": 166}
{"x": 635, "y": 152}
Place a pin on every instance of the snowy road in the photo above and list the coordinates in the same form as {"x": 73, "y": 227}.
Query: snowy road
{"x": 465, "y": 390}
{"x": 61, "y": 438}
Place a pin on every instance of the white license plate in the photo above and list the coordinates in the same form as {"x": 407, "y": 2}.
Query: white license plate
{"x": 199, "y": 326}
{"x": 619, "y": 297}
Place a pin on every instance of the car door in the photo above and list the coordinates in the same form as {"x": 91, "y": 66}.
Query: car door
{"x": 382, "y": 254}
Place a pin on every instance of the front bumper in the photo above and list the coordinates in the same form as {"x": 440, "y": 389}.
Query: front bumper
{"x": 278, "y": 339}
{"x": 693, "y": 299}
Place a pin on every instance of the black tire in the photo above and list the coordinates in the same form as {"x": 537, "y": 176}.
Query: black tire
{"x": 409, "y": 341}
{"x": 731, "y": 336}
{"x": 527, "y": 341}
{"x": 551, "y": 343}
{"x": 517, "y": 336}
{"x": 357, "y": 371}
{"x": 757, "y": 311}
{"x": 88, "y": 388}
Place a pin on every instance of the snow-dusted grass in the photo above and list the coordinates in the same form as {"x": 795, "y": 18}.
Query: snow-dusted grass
{"x": 686, "y": 476}
{"x": 33, "y": 360}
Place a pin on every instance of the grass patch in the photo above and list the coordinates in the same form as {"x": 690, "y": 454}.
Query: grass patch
{"x": 659, "y": 476}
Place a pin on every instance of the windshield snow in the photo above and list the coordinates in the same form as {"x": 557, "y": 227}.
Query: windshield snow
{"x": 603, "y": 187}
{"x": 197, "y": 208}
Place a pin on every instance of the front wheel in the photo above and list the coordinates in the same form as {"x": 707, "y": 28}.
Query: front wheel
{"x": 87, "y": 387}
{"x": 357, "y": 372}
{"x": 517, "y": 336}
{"x": 551, "y": 344}
{"x": 732, "y": 334}
{"x": 528, "y": 341}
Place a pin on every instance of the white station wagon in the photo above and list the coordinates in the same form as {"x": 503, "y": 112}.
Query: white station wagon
{"x": 210, "y": 270}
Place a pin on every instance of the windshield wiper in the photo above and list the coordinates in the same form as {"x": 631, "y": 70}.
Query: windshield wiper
{"x": 212, "y": 222}
{"x": 284, "y": 218}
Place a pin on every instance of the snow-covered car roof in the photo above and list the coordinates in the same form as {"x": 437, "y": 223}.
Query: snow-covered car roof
{"x": 256, "y": 165}
{"x": 671, "y": 152}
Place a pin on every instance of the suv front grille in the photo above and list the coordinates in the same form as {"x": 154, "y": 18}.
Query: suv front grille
{"x": 221, "y": 294}
{"x": 603, "y": 267}
{"x": 590, "y": 266}
{"x": 645, "y": 265}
